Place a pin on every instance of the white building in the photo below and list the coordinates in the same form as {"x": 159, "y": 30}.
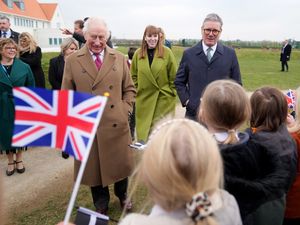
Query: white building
{"x": 42, "y": 20}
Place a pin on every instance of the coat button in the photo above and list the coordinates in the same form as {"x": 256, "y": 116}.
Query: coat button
{"x": 114, "y": 125}
{"x": 110, "y": 87}
{"x": 112, "y": 106}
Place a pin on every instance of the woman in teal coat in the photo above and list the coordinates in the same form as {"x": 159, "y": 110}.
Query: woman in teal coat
{"x": 153, "y": 71}
{"x": 13, "y": 73}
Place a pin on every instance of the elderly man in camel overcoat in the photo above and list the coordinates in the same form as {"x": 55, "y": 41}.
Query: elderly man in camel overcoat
{"x": 99, "y": 69}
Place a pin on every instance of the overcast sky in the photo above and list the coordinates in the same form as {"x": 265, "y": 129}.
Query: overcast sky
{"x": 273, "y": 20}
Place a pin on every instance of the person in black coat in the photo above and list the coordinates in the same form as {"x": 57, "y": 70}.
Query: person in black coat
{"x": 285, "y": 55}
{"x": 31, "y": 54}
{"x": 6, "y": 32}
{"x": 253, "y": 175}
{"x": 57, "y": 64}
{"x": 268, "y": 129}
{"x": 207, "y": 61}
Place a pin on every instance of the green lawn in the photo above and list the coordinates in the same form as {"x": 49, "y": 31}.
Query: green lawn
{"x": 259, "y": 67}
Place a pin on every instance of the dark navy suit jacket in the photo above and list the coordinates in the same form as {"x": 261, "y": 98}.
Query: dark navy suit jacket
{"x": 195, "y": 73}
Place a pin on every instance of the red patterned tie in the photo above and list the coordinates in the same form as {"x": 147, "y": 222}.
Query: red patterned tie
{"x": 98, "y": 61}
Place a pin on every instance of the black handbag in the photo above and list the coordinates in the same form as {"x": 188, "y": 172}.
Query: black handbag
{"x": 88, "y": 217}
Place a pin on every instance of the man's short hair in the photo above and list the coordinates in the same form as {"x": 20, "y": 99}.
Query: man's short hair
{"x": 213, "y": 17}
{"x": 98, "y": 21}
{"x": 4, "y": 18}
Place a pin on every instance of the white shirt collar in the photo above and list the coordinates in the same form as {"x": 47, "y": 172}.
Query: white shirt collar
{"x": 101, "y": 54}
{"x": 205, "y": 47}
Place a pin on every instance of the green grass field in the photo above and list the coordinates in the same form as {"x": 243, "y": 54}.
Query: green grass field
{"x": 259, "y": 67}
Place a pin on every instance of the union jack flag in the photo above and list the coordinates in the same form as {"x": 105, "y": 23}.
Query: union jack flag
{"x": 290, "y": 97}
{"x": 61, "y": 119}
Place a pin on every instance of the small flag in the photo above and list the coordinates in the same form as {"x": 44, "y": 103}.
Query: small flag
{"x": 62, "y": 119}
{"x": 290, "y": 97}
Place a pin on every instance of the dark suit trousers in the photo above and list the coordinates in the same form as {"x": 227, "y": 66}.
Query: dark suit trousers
{"x": 284, "y": 64}
{"x": 101, "y": 195}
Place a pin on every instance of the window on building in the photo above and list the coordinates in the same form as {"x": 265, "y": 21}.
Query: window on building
{"x": 9, "y": 3}
{"x": 59, "y": 40}
{"x": 55, "y": 41}
{"x": 50, "y": 41}
{"x": 36, "y": 24}
{"x": 20, "y": 4}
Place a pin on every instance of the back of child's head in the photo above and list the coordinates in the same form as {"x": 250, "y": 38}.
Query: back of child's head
{"x": 224, "y": 107}
{"x": 131, "y": 52}
{"x": 296, "y": 126}
{"x": 269, "y": 109}
{"x": 181, "y": 160}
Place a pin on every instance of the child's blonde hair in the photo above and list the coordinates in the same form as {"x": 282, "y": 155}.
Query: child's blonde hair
{"x": 181, "y": 159}
{"x": 225, "y": 106}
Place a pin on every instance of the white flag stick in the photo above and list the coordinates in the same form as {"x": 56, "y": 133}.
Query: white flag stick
{"x": 84, "y": 161}
{"x": 76, "y": 187}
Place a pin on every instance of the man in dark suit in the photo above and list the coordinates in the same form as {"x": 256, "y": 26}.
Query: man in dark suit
{"x": 6, "y": 32}
{"x": 205, "y": 62}
{"x": 285, "y": 55}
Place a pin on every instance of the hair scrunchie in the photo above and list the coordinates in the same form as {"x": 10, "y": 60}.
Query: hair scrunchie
{"x": 199, "y": 207}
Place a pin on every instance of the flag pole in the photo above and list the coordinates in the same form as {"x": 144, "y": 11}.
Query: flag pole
{"x": 76, "y": 187}
{"x": 81, "y": 169}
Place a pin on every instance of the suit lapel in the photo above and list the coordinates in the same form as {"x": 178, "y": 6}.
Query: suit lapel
{"x": 200, "y": 53}
{"x": 107, "y": 66}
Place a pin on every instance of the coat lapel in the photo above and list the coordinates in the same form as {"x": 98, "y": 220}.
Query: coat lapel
{"x": 3, "y": 78}
{"x": 156, "y": 66}
{"x": 219, "y": 51}
{"x": 107, "y": 66}
{"x": 86, "y": 61}
{"x": 148, "y": 70}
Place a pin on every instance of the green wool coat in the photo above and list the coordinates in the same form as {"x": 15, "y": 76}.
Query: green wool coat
{"x": 20, "y": 75}
{"x": 156, "y": 93}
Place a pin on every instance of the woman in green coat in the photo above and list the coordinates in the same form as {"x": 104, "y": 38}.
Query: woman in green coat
{"x": 13, "y": 73}
{"x": 153, "y": 71}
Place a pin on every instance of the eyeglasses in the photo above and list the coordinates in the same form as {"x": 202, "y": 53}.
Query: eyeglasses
{"x": 10, "y": 48}
{"x": 213, "y": 31}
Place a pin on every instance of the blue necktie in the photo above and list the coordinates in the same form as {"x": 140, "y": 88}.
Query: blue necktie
{"x": 4, "y": 34}
{"x": 209, "y": 56}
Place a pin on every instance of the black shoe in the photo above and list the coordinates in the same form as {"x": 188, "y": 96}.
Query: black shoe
{"x": 64, "y": 155}
{"x": 22, "y": 170}
{"x": 11, "y": 172}
{"x": 102, "y": 211}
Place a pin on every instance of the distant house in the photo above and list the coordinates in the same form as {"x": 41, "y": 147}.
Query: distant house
{"x": 42, "y": 20}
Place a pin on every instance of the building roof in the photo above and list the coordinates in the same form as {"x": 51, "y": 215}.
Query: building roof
{"x": 49, "y": 9}
{"x": 33, "y": 9}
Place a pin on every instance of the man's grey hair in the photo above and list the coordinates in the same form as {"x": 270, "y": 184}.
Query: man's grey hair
{"x": 95, "y": 20}
{"x": 214, "y": 18}
{"x": 4, "y": 18}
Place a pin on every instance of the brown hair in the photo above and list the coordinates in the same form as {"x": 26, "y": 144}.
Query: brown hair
{"x": 80, "y": 23}
{"x": 7, "y": 41}
{"x": 269, "y": 109}
{"x": 225, "y": 106}
{"x": 150, "y": 30}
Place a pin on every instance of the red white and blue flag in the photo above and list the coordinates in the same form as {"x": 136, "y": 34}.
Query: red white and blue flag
{"x": 62, "y": 119}
{"x": 290, "y": 98}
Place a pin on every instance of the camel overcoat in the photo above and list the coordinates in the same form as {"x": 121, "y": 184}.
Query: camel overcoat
{"x": 156, "y": 93}
{"x": 110, "y": 159}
